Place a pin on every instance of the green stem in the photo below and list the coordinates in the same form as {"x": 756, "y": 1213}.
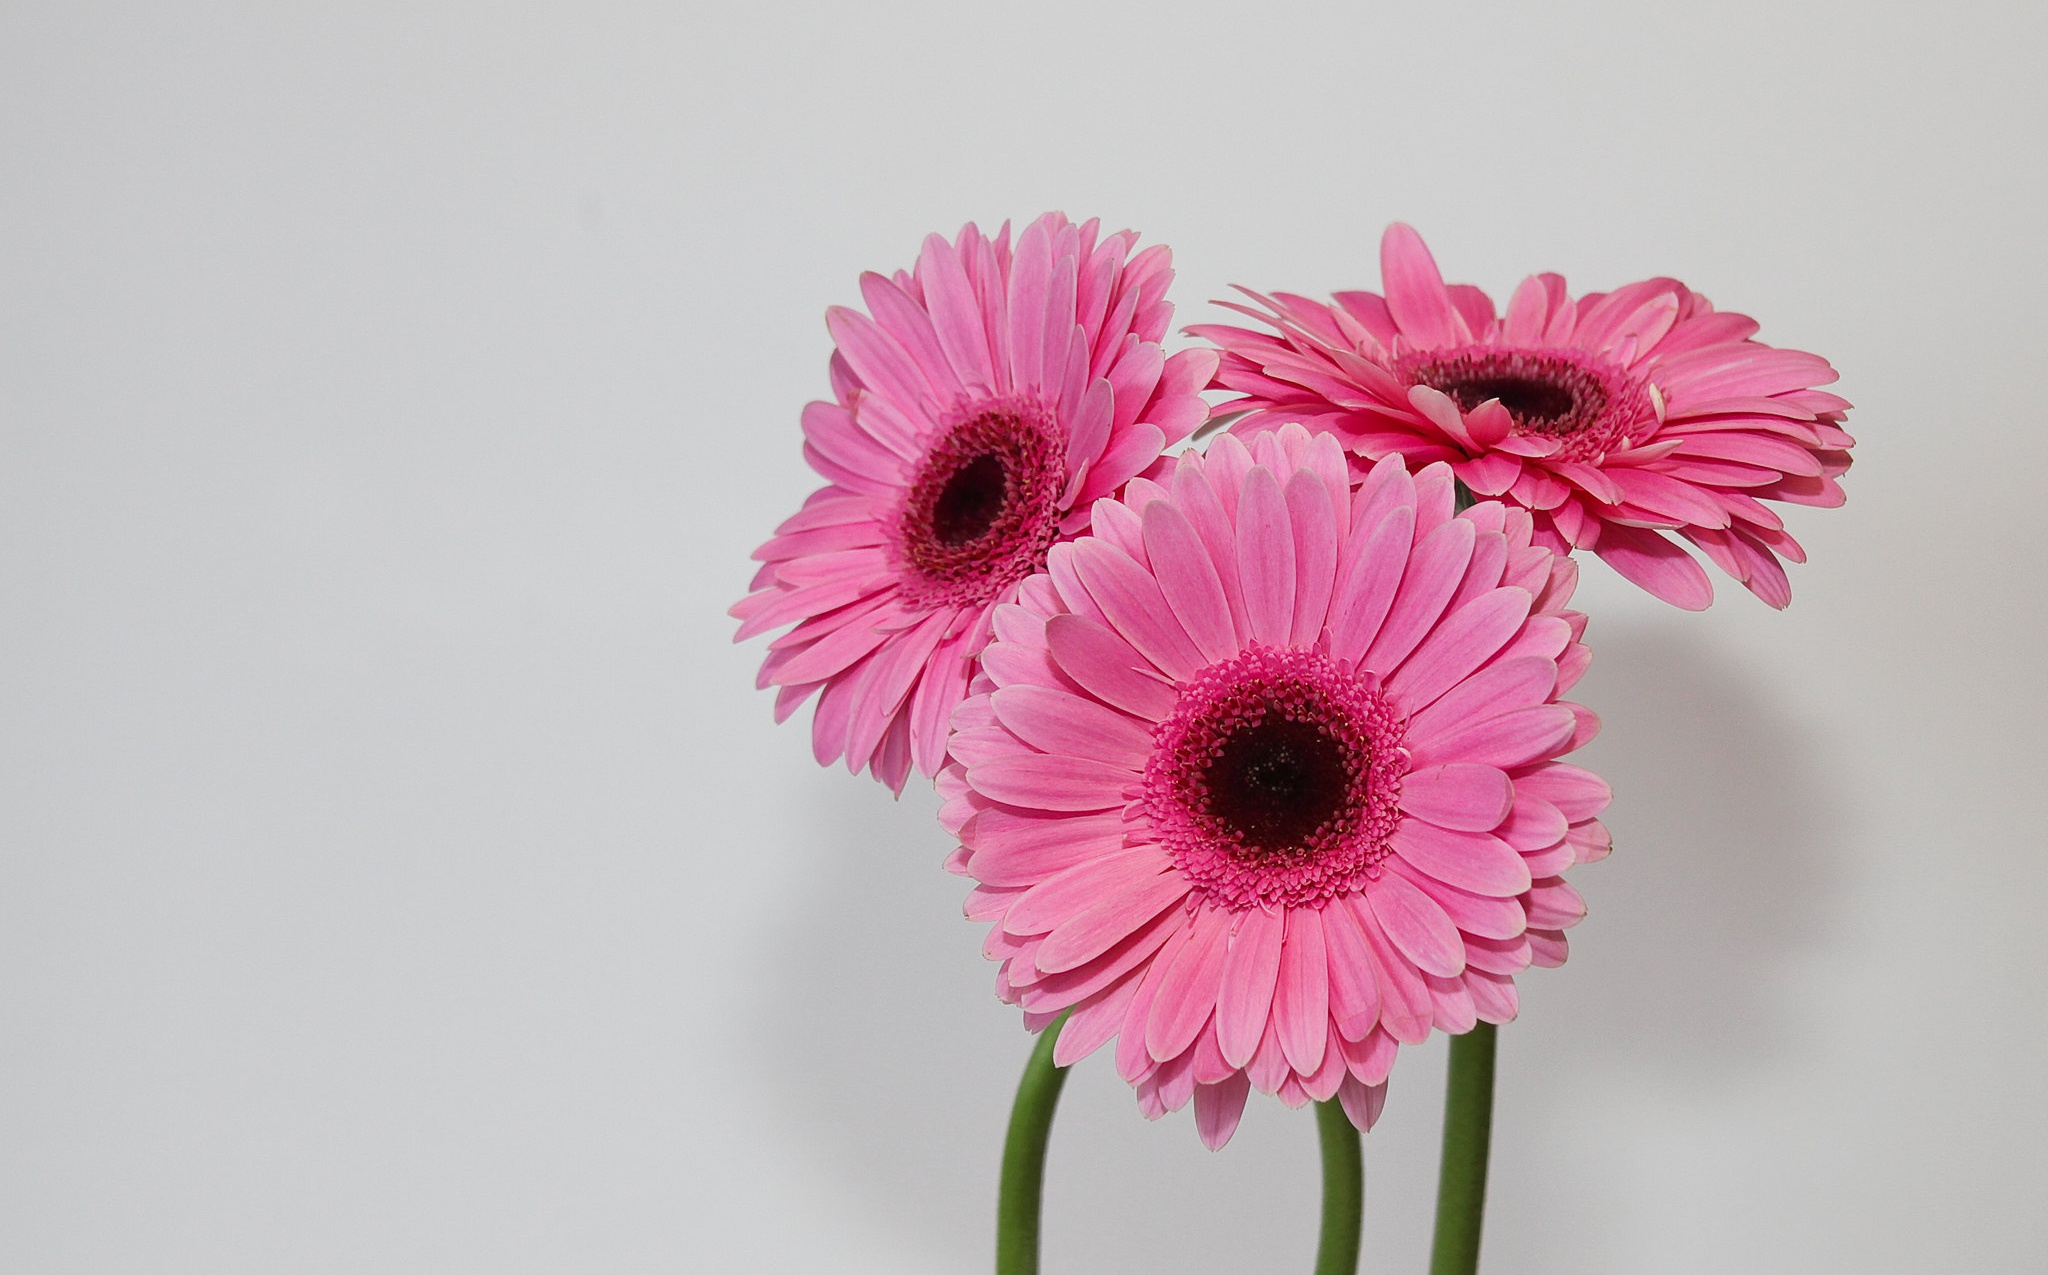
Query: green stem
{"x": 1468, "y": 1129}
{"x": 1023, "y": 1180}
{"x": 1343, "y": 1191}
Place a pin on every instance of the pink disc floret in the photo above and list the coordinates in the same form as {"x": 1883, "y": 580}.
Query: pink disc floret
{"x": 1275, "y": 781}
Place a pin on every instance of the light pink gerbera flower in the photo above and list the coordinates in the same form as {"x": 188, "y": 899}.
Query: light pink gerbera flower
{"x": 1260, "y": 777}
{"x": 1613, "y": 419}
{"x": 992, "y": 397}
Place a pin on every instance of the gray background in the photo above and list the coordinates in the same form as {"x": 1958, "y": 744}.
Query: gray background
{"x": 398, "y": 871}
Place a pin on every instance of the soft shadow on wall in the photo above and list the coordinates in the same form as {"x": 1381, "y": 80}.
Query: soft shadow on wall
{"x": 880, "y": 1040}
{"x": 1724, "y": 880}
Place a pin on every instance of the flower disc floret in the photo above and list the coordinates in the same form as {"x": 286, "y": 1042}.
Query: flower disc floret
{"x": 1275, "y": 780}
{"x": 984, "y": 507}
{"x": 1589, "y": 405}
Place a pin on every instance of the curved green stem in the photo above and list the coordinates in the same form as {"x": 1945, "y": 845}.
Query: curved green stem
{"x": 1023, "y": 1180}
{"x": 1468, "y": 1130}
{"x": 1343, "y": 1191}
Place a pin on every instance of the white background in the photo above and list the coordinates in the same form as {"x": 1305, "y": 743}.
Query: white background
{"x": 398, "y": 871}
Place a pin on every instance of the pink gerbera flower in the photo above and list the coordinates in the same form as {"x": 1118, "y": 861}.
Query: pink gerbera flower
{"x": 1613, "y": 419}
{"x": 1261, "y": 777}
{"x": 987, "y": 400}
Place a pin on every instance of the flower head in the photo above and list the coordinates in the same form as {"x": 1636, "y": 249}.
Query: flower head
{"x": 985, "y": 401}
{"x": 1613, "y": 419}
{"x": 1260, "y": 778}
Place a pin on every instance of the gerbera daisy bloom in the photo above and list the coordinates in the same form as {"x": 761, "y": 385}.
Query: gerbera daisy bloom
{"x": 1613, "y": 419}
{"x": 981, "y": 406}
{"x": 1260, "y": 778}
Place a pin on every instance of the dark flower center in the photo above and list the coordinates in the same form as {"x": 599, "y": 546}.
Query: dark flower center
{"x": 970, "y": 501}
{"x": 1545, "y": 393}
{"x": 984, "y": 507}
{"x": 1532, "y": 403}
{"x": 1275, "y": 782}
{"x": 1276, "y": 778}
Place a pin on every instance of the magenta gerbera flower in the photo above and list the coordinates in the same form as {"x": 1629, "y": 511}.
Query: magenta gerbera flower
{"x": 1613, "y": 419}
{"x": 1261, "y": 777}
{"x": 984, "y": 403}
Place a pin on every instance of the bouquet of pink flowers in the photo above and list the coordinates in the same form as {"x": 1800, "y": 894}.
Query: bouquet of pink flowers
{"x": 1253, "y": 752}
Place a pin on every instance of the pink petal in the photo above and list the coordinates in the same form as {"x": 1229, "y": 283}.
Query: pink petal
{"x": 1496, "y": 956}
{"x": 1432, "y": 575}
{"x": 1475, "y": 861}
{"x": 1467, "y": 638}
{"x": 939, "y": 691}
{"x": 1128, "y": 454}
{"x": 1039, "y": 781}
{"x": 1668, "y": 496}
{"x": 1547, "y": 948}
{"x": 1030, "y": 279}
{"x": 1249, "y": 975}
{"x": 1055, "y": 722}
{"x": 1648, "y": 560}
{"x": 956, "y": 313}
{"x": 1415, "y": 290}
{"x": 1314, "y": 522}
{"x": 1218, "y": 1108}
{"x": 1527, "y": 311}
{"x": 1404, "y": 1001}
{"x": 1354, "y": 991}
{"x": 1371, "y": 578}
{"x": 1187, "y": 994}
{"x": 1535, "y": 824}
{"x": 1133, "y": 377}
{"x": 1088, "y": 430}
{"x": 1451, "y": 1008}
{"x": 906, "y": 321}
{"x": 1491, "y": 474}
{"x": 1372, "y": 1057}
{"x": 1110, "y": 936}
{"x": 1362, "y": 1103}
{"x": 1065, "y": 348}
{"x": 1301, "y": 999}
{"x": 1268, "y": 1068}
{"x": 1479, "y": 915}
{"x": 1014, "y": 849}
{"x": 1460, "y": 795}
{"x": 1493, "y": 996}
{"x": 1197, "y": 499}
{"x": 1265, "y": 557}
{"x": 879, "y": 361}
{"x": 1416, "y": 926}
{"x": 1133, "y": 1063}
{"x": 1188, "y": 578}
{"x": 1130, "y": 598}
{"x": 1511, "y": 739}
{"x": 1058, "y": 899}
{"x": 1473, "y": 305}
{"x": 1091, "y": 1025}
{"x": 1387, "y": 486}
{"x": 1554, "y": 905}
{"x": 1107, "y": 667}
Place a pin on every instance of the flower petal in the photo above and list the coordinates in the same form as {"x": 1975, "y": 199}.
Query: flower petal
{"x": 1416, "y": 926}
{"x": 1459, "y": 795}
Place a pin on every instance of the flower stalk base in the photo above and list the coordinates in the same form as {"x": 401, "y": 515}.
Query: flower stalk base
{"x": 1343, "y": 1191}
{"x": 1022, "y": 1188}
{"x": 1468, "y": 1133}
